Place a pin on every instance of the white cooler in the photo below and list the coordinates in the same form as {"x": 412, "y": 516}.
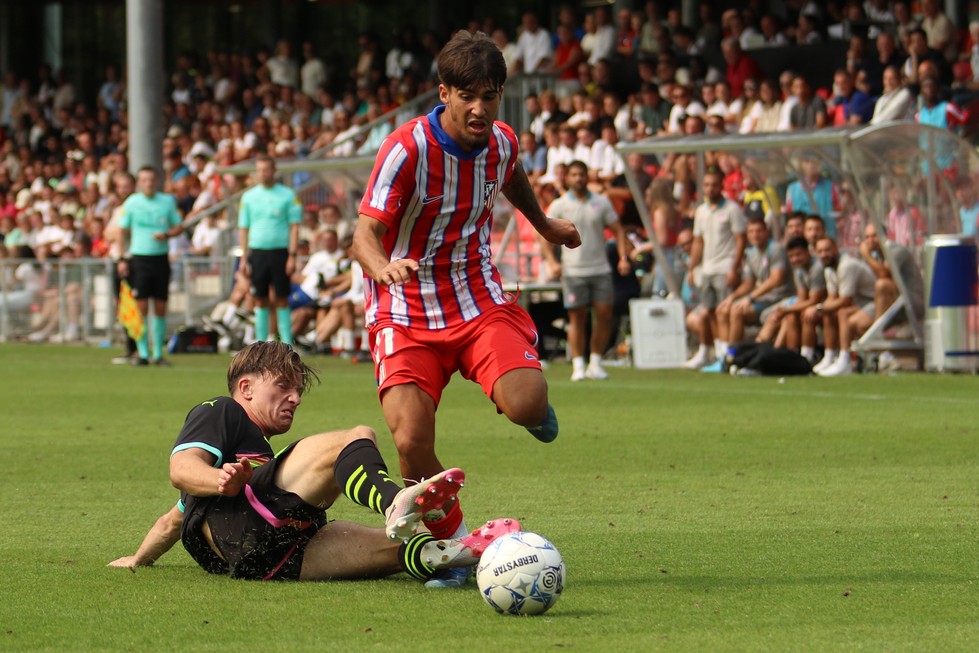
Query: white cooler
{"x": 659, "y": 334}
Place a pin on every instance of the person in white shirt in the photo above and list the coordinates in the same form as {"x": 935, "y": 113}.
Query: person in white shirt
{"x": 896, "y": 102}
{"x": 585, "y": 272}
{"x": 603, "y": 45}
{"x": 283, "y": 69}
{"x": 313, "y": 72}
{"x": 534, "y": 50}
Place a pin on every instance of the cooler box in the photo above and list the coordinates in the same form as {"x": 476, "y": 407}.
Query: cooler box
{"x": 659, "y": 334}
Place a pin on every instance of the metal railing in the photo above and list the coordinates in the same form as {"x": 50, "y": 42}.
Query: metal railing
{"x": 85, "y": 288}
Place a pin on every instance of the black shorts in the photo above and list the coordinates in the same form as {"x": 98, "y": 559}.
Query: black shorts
{"x": 262, "y": 533}
{"x": 269, "y": 269}
{"x": 150, "y": 277}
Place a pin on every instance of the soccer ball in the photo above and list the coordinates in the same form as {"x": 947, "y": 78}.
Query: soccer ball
{"x": 520, "y": 573}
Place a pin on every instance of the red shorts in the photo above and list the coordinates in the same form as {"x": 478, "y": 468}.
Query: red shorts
{"x": 482, "y": 350}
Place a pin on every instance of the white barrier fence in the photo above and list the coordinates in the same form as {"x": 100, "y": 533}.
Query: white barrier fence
{"x": 74, "y": 300}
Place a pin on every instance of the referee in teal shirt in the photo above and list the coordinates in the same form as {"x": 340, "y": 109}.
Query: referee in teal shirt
{"x": 268, "y": 232}
{"x": 148, "y": 220}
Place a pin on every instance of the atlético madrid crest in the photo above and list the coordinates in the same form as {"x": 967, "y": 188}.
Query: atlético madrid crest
{"x": 489, "y": 193}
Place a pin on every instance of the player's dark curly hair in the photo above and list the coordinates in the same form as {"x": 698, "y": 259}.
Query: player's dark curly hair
{"x": 471, "y": 60}
{"x": 274, "y": 360}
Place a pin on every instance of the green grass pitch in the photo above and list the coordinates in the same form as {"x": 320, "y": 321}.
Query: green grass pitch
{"x": 695, "y": 512}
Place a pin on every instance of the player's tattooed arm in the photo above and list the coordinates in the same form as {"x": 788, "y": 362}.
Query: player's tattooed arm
{"x": 521, "y": 194}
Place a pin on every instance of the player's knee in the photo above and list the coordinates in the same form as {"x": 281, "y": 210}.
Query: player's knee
{"x": 361, "y": 432}
{"x": 526, "y": 408}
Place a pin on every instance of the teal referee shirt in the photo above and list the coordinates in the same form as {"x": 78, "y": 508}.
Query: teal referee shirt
{"x": 267, "y": 214}
{"x": 145, "y": 217}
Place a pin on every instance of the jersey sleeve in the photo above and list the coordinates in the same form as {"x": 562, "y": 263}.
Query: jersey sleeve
{"x": 514, "y": 147}
{"x": 211, "y": 426}
{"x": 126, "y": 215}
{"x": 609, "y": 216}
{"x": 739, "y": 224}
{"x": 392, "y": 182}
{"x": 244, "y": 218}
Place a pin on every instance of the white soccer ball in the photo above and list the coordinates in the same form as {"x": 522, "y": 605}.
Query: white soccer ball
{"x": 520, "y": 573}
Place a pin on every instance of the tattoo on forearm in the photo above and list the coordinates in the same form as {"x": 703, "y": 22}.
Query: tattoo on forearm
{"x": 520, "y": 193}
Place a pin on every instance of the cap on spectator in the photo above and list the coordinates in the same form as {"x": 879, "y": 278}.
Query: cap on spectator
{"x": 175, "y": 132}
{"x": 754, "y": 209}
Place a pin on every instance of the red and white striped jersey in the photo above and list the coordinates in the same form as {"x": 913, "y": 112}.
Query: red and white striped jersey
{"x": 436, "y": 201}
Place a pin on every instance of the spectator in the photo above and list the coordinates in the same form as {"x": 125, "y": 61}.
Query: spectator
{"x": 849, "y": 106}
{"x": 905, "y": 22}
{"x": 654, "y": 111}
{"x": 718, "y": 247}
{"x": 603, "y": 44}
{"x": 533, "y": 157}
{"x": 740, "y": 66}
{"x": 313, "y": 72}
{"x": 23, "y": 290}
{"x": 534, "y": 52}
{"x": 918, "y": 52}
{"x": 784, "y": 323}
{"x": 941, "y": 32}
{"x": 789, "y": 99}
{"x": 807, "y": 30}
{"x": 507, "y": 47}
{"x": 905, "y": 224}
{"x": 567, "y": 56}
{"x": 813, "y": 228}
{"x": 765, "y": 113}
{"x": 207, "y": 235}
{"x": 968, "y": 199}
{"x": 318, "y": 283}
{"x": 814, "y": 193}
{"x": 886, "y": 289}
{"x": 886, "y": 55}
{"x": 772, "y": 32}
{"x": 809, "y": 111}
{"x": 896, "y": 102}
{"x": 585, "y": 272}
{"x": 937, "y": 112}
{"x": 850, "y": 288}
{"x": 587, "y": 40}
{"x": 683, "y": 105}
{"x": 627, "y": 37}
{"x": 765, "y": 281}
{"x": 667, "y": 224}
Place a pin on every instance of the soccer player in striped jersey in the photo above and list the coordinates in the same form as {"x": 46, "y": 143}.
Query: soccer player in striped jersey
{"x": 435, "y": 301}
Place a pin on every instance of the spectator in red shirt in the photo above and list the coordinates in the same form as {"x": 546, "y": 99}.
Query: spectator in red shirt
{"x": 740, "y": 66}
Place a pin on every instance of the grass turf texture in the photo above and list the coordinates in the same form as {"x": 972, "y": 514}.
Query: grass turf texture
{"x": 695, "y": 512}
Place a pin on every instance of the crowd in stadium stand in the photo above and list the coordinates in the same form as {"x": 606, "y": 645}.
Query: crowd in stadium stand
{"x": 638, "y": 74}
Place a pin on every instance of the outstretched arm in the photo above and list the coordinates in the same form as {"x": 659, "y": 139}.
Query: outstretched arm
{"x": 521, "y": 194}
{"x": 160, "y": 539}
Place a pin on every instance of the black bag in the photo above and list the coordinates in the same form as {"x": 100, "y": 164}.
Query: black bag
{"x": 193, "y": 340}
{"x": 766, "y": 359}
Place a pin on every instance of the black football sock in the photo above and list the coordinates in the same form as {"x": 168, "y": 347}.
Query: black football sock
{"x": 410, "y": 556}
{"x": 363, "y": 477}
